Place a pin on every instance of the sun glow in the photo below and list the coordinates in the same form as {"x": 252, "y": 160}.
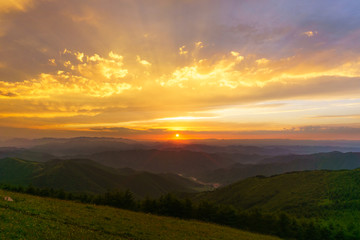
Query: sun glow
{"x": 177, "y": 135}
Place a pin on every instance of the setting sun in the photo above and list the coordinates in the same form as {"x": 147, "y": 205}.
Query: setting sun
{"x": 177, "y": 135}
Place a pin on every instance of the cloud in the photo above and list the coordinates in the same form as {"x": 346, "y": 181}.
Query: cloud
{"x": 222, "y": 80}
{"x": 129, "y": 131}
{"x": 338, "y": 116}
{"x": 93, "y": 76}
{"x": 96, "y": 66}
{"x": 182, "y": 50}
{"x": 237, "y": 55}
{"x": 184, "y": 118}
{"x": 48, "y": 85}
{"x": 325, "y": 129}
{"x": 15, "y": 5}
{"x": 310, "y": 33}
{"x": 142, "y": 61}
{"x": 80, "y": 56}
{"x": 204, "y": 73}
{"x": 199, "y": 45}
{"x": 262, "y": 61}
{"x": 7, "y": 94}
{"x": 52, "y": 62}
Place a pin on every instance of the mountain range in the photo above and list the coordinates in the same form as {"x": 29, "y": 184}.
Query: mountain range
{"x": 283, "y": 164}
{"x": 82, "y": 175}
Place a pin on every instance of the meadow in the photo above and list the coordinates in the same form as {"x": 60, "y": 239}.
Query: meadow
{"x": 31, "y": 217}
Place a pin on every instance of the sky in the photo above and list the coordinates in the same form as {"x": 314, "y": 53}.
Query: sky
{"x": 151, "y": 69}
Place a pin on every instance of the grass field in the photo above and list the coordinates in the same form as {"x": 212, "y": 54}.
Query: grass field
{"x": 30, "y": 217}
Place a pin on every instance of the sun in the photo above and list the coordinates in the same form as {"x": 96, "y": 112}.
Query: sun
{"x": 177, "y": 135}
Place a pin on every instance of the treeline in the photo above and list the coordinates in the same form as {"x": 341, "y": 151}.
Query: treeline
{"x": 281, "y": 224}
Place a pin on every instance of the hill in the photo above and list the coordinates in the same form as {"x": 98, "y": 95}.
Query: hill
{"x": 184, "y": 162}
{"x": 25, "y": 154}
{"x": 283, "y": 164}
{"x": 30, "y": 217}
{"x": 289, "y": 191}
{"x": 81, "y": 175}
{"x": 329, "y": 196}
{"x": 18, "y": 171}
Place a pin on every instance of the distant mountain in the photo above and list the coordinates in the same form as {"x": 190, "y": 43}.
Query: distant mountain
{"x": 241, "y": 154}
{"x": 331, "y": 160}
{"x": 242, "y": 149}
{"x": 26, "y": 154}
{"x": 354, "y": 144}
{"x": 81, "y": 175}
{"x": 262, "y": 147}
{"x": 266, "y": 150}
{"x": 84, "y": 145}
{"x": 283, "y": 164}
{"x": 27, "y": 143}
{"x": 183, "y": 162}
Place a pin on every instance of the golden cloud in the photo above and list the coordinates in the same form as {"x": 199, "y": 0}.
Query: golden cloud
{"x": 93, "y": 76}
{"x": 310, "y": 33}
{"x": 14, "y": 5}
{"x": 142, "y": 61}
{"x": 182, "y": 50}
{"x": 95, "y": 67}
{"x": 237, "y": 55}
{"x": 119, "y": 94}
{"x": 262, "y": 61}
{"x": 48, "y": 85}
{"x": 52, "y": 62}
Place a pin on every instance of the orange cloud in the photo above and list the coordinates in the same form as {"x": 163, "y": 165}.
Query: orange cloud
{"x": 310, "y": 33}
{"x": 142, "y": 61}
{"x": 15, "y": 5}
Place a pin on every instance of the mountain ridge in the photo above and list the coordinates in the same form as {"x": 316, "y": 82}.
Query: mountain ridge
{"x": 83, "y": 175}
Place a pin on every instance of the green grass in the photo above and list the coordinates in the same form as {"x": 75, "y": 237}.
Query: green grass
{"x": 30, "y": 217}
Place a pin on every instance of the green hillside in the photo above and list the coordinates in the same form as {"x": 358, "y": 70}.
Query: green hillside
{"x": 289, "y": 191}
{"x": 330, "y": 196}
{"x": 18, "y": 171}
{"x": 30, "y": 217}
{"x": 81, "y": 175}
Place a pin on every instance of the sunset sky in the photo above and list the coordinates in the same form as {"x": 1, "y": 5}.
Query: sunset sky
{"x": 152, "y": 69}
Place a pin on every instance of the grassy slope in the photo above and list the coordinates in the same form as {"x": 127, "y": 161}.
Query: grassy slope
{"x": 333, "y": 196}
{"x": 30, "y": 217}
{"x": 273, "y": 193}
